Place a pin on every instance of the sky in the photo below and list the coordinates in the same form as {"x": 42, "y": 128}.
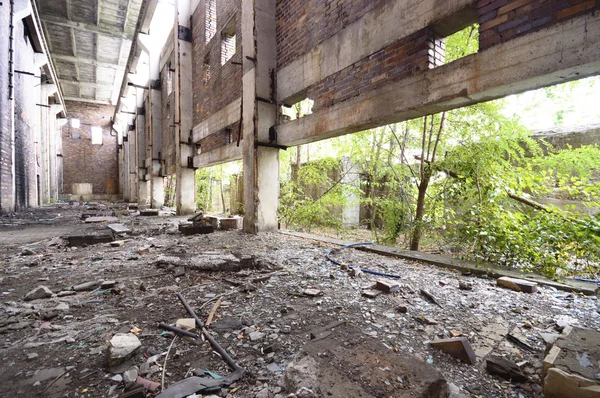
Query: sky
{"x": 570, "y": 104}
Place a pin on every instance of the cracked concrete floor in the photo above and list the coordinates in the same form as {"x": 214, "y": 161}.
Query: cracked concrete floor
{"x": 57, "y": 345}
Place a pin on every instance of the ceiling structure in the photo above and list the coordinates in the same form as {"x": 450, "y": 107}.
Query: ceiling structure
{"x": 89, "y": 42}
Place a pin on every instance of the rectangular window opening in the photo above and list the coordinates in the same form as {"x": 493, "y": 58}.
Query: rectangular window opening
{"x": 206, "y": 69}
{"x": 454, "y": 38}
{"x": 96, "y": 136}
{"x": 299, "y": 109}
{"x": 228, "y": 41}
{"x": 210, "y": 20}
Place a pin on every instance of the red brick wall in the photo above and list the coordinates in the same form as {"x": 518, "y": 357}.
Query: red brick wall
{"x": 84, "y": 162}
{"x": 502, "y": 20}
{"x": 303, "y": 24}
{"x": 227, "y": 136}
{"x": 399, "y": 60}
{"x": 225, "y": 83}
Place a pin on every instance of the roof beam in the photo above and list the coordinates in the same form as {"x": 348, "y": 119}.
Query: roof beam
{"x": 88, "y": 61}
{"x": 107, "y": 31}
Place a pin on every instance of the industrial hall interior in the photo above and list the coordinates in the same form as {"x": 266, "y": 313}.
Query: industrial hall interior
{"x": 300, "y": 198}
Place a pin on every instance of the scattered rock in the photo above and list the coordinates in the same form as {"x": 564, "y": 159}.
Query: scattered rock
{"x": 312, "y": 292}
{"x": 301, "y": 373}
{"x": 40, "y": 292}
{"x": 519, "y": 285}
{"x": 462, "y": 285}
{"x": 256, "y": 336}
{"x": 122, "y": 346}
{"x": 458, "y": 347}
{"x": 505, "y": 369}
{"x": 388, "y": 286}
{"x": 32, "y": 356}
{"x": 117, "y": 378}
{"x": 87, "y": 286}
{"x": 371, "y": 293}
{"x": 188, "y": 324}
{"x": 131, "y": 375}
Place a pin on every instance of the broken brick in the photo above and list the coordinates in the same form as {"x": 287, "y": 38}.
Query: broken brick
{"x": 458, "y": 347}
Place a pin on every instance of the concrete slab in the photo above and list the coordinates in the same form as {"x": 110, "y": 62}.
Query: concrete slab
{"x": 118, "y": 228}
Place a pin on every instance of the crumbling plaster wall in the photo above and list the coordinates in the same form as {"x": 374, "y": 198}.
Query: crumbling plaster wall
{"x": 84, "y": 162}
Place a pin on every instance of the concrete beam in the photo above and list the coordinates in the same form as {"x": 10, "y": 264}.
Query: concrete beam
{"x": 379, "y": 28}
{"x": 90, "y": 61}
{"x": 563, "y": 52}
{"x": 60, "y": 21}
{"x": 217, "y": 121}
{"x": 224, "y": 154}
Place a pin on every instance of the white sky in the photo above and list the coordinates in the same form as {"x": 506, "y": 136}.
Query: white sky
{"x": 570, "y": 104}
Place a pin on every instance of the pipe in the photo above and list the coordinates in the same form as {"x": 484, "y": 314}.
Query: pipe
{"x": 366, "y": 271}
{"x": 208, "y": 336}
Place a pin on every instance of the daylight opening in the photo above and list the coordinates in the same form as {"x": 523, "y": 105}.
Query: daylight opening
{"x": 228, "y": 42}
{"x": 210, "y": 20}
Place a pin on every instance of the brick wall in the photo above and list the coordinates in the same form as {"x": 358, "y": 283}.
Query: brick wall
{"x": 6, "y": 191}
{"x": 303, "y": 24}
{"x": 225, "y": 82}
{"x": 502, "y": 20}
{"x": 84, "y": 162}
{"x": 221, "y": 138}
{"x": 397, "y": 61}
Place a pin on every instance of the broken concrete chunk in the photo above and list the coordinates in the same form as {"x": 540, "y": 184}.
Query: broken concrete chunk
{"x": 149, "y": 212}
{"x": 87, "y": 286}
{"x": 312, "y": 292}
{"x": 401, "y": 306}
{"x": 40, "y": 292}
{"x": 118, "y": 228}
{"x": 505, "y": 369}
{"x": 108, "y": 284}
{"x": 301, "y": 373}
{"x": 117, "y": 243}
{"x": 458, "y": 347}
{"x": 462, "y": 285}
{"x": 388, "y": 286}
{"x": 188, "y": 324}
{"x": 65, "y": 293}
{"x": 371, "y": 293}
{"x": 256, "y": 336}
{"x": 216, "y": 262}
{"x": 560, "y": 384}
{"x": 143, "y": 250}
{"x": 131, "y": 375}
{"x": 519, "y": 285}
{"x": 122, "y": 346}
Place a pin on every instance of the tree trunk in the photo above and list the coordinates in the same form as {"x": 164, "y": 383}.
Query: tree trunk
{"x": 420, "y": 212}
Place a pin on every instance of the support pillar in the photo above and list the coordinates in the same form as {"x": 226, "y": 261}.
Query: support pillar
{"x": 142, "y": 185}
{"x": 261, "y": 163}
{"x": 185, "y": 190}
{"x": 153, "y": 112}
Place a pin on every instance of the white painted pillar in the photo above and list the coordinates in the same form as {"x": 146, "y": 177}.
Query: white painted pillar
{"x": 185, "y": 190}
{"x": 261, "y": 163}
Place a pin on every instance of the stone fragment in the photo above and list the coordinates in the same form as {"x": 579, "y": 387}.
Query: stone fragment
{"x": 65, "y": 293}
{"x": 519, "y": 285}
{"x": 40, "y": 292}
{"x": 462, "y": 285}
{"x": 32, "y": 356}
{"x": 264, "y": 393}
{"x": 188, "y": 324}
{"x": 458, "y": 347}
{"x": 312, "y": 292}
{"x": 256, "y": 336}
{"x": 122, "y": 346}
{"x": 62, "y": 307}
{"x": 401, "y": 306}
{"x": 108, "y": 284}
{"x": 117, "y": 378}
{"x": 303, "y": 372}
{"x": 142, "y": 250}
{"x": 371, "y": 293}
{"x": 216, "y": 262}
{"x": 388, "y": 286}
{"x": 149, "y": 212}
{"x": 355, "y": 272}
{"x": 505, "y": 369}
{"x": 131, "y": 375}
{"x": 117, "y": 243}
{"x": 87, "y": 286}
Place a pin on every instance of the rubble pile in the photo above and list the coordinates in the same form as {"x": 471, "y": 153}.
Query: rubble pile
{"x": 105, "y": 318}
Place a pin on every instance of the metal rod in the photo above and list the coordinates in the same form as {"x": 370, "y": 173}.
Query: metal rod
{"x": 230, "y": 361}
{"x": 271, "y": 145}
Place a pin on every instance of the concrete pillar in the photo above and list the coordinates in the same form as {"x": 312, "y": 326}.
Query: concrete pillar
{"x": 261, "y": 163}
{"x": 153, "y": 111}
{"x": 142, "y": 186}
{"x": 185, "y": 190}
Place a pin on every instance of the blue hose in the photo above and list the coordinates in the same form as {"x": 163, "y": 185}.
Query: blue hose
{"x": 366, "y": 271}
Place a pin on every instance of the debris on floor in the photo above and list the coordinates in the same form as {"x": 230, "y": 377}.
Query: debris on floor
{"x": 94, "y": 317}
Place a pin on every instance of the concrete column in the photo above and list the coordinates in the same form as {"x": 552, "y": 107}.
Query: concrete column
{"x": 153, "y": 111}
{"x": 261, "y": 163}
{"x": 185, "y": 190}
{"x": 142, "y": 186}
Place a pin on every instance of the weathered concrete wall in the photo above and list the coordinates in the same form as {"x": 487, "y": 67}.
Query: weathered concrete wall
{"x": 169, "y": 142}
{"x": 26, "y": 96}
{"x": 6, "y": 114}
{"x": 84, "y": 162}
{"x": 568, "y": 136}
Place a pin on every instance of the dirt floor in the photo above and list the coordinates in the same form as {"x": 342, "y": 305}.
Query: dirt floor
{"x": 57, "y": 346}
